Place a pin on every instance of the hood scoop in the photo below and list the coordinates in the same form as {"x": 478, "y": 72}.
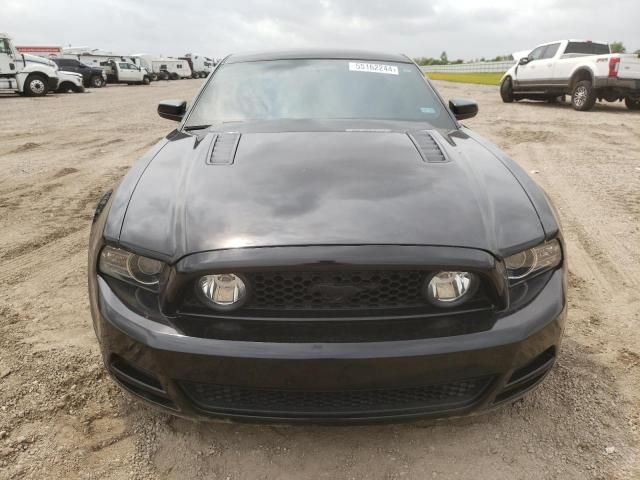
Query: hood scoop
{"x": 428, "y": 147}
{"x": 223, "y": 149}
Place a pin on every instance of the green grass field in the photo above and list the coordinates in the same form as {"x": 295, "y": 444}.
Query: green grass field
{"x": 492, "y": 78}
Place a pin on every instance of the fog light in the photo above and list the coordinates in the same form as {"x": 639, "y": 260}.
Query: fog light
{"x": 449, "y": 289}
{"x": 225, "y": 291}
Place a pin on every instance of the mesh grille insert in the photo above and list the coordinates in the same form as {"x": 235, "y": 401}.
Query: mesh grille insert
{"x": 234, "y": 398}
{"x": 333, "y": 290}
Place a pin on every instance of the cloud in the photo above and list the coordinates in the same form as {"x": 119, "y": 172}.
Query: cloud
{"x": 465, "y": 29}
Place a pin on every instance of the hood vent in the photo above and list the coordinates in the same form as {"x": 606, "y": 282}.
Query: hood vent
{"x": 223, "y": 149}
{"x": 427, "y": 146}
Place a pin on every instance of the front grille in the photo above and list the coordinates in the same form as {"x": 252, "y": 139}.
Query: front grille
{"x": 331, "y": 290}
{"x": 300, "y": 403}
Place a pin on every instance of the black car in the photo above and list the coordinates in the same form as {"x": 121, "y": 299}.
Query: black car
{"x": 320, "y": 240}
{"x": 91, "y": 76}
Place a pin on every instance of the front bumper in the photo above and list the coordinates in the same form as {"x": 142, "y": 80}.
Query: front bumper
{"x": 331, "y": 382}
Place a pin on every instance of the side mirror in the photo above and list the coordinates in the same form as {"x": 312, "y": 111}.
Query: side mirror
{"x": 523, "y": 60}
{"x": 172, "y": 109}
{"x": 463, "y": 109}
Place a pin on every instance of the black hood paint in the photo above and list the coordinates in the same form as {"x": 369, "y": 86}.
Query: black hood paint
{"x": 325, "y": 188}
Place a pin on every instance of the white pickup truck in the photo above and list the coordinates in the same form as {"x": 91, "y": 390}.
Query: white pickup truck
{"x": 586, "y": 70}
{"x": 126, "y": 72}
{"x": 23, "y": 73}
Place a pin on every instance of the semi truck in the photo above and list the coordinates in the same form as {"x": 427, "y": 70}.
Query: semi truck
{"x": 24, "y": 73}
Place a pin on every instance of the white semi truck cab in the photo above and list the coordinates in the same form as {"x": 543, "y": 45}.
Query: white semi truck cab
{"x": 25, "y": 74}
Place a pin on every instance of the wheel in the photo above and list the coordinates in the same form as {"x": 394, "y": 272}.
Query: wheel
{"x": 506, "y": 90}
{"x": 146, "y": 80}
{"x": 632, "y": 104}
{"x": 96, "y": 81}
{"x": 154, "y": 77}
{"x": 583, "y": 97}
{"x": 36, "y": 85}
{"x": 78, "y": 89}
{"x": 163, "y": 76}
{"x": 66, "y": 87}
{"x": 557, "y": 99}
{"x": 174, "y": 76}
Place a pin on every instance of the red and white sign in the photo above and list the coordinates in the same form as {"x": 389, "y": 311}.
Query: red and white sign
{"x": 42, "y": 51}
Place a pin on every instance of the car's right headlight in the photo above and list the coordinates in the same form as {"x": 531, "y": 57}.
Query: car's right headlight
{"x": 141, "y": 271}
{"x": 525, "y": 264}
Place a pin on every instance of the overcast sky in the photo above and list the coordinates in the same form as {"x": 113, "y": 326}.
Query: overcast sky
{"x": 465, "y": 29}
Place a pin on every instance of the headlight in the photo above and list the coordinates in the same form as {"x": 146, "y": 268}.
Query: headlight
{"x": 130, "y": 267}
{"x": 528, "y": 262}
{"x": 450, "y": 289}
{"x": 222, "y": 292}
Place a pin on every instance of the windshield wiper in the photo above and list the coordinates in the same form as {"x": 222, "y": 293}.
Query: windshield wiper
{"x": 196, "y": 127}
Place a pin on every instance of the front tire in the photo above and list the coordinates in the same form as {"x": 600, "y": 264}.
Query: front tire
{"x": 506, "y": 90}
{"x": 96, "y": 81}
{"x": 583, "y": 97}
{"x": 36, "y": 85}
{"x": 632, "y": 104}
{"x": 66, "y": 87}
{"x": 146, "y": 80}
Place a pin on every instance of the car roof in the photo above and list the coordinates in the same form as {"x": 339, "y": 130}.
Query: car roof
{"x": 318, "y": 54}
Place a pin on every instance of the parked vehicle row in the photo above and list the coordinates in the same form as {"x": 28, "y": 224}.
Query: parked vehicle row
{"x": 36, "y": 71}
{"x": 585, "y": 70}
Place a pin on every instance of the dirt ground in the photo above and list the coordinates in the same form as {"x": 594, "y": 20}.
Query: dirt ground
{"x": 61, "y": 416}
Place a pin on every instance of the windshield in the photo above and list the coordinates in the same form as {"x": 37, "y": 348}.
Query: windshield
{"x": 318, "y": 89}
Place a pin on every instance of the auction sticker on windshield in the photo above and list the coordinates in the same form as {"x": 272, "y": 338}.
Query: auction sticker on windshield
{"x": 373, "y": 68}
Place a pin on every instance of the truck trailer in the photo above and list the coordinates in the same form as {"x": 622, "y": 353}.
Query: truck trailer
{"x": 164, "y": 68}
{"x": 201, "y": 66}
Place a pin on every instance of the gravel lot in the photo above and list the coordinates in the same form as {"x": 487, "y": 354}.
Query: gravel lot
{"x": 61, "y": 417}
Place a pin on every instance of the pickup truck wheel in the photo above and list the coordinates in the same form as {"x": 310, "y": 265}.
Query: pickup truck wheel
{"x": 36, "y": 85}
{"x": 558, "y": 99}
{"x": 583, "y": 97}
{"x": 66, "y": 87}
{"x": 506, "y": 90}
{"x": 146, "y": 80}
{"x": 632, "y": 104}
{"x": 97, "y": 81}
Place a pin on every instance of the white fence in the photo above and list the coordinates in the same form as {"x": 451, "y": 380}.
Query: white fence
{"x": 470, "y": 67}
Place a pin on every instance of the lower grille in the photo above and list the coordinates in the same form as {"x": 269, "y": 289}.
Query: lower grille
{"x": 303, "y": 403}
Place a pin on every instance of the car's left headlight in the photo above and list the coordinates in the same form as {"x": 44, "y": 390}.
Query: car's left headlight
{"x": 525, "y": 264}
{"x": 141, "y": 271}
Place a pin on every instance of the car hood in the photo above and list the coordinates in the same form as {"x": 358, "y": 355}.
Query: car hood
{"x": 326, "y": 188}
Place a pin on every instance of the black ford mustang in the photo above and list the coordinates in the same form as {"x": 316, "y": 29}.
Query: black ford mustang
{"x": 321, "y": 240}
